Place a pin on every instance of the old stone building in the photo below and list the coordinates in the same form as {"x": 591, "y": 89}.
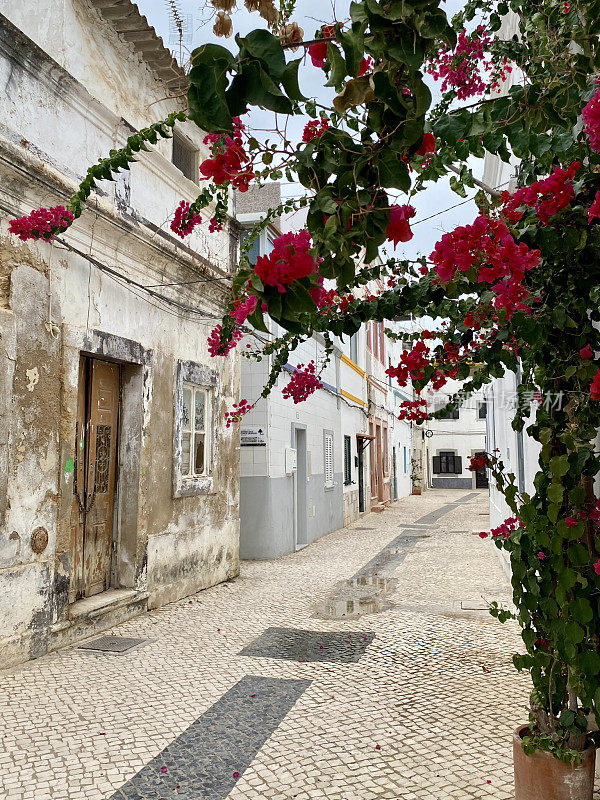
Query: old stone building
{"x": 118, "y": 481}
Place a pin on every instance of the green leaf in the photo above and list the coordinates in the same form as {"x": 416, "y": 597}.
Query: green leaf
{"x": 452, "y": 127}
{"x": 338, "y": 66}
{"x": 208, "y": 80}
{"x": 573, "y": 632}
{"x": 559, "y": 466}
{"x": 581, "y": 611}
{"x": 289, "y": 80}
{"x": 555, "y": 493}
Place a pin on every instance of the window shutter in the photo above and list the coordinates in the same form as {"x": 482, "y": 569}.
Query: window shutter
{"x": 347, "y": 460}
{"x": 457, "y": 465}
{"x": 328, "y": 459}
{"x": 437, "y": 467}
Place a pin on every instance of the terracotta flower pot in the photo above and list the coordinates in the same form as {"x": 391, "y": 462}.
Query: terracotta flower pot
{"x": 416, "y": 490}
{"x": 543, "y": 777}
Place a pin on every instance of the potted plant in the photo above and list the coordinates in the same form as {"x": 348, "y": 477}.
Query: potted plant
{"x": 518, "y": 288}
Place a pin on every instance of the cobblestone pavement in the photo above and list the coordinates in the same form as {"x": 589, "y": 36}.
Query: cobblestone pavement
{"x": 363, "y": 667}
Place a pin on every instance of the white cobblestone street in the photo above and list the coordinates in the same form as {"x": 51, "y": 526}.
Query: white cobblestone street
{"x": 426, "y": 712}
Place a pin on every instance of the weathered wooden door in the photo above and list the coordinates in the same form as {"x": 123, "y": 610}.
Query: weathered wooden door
{"x": 94, "y": 480}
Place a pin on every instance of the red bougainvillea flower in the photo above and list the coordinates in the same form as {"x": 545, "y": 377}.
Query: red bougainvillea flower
{"x": 242, "y": 310}
{"x": 413, "y": 410}
{"x": 214, "y": 226}
{"x": 236, "y": 774}
{"x": 398, "y": 229}
{"x": 541, "y": 555}
{"x": 427, "y": 145}
{"x": 594, "y": 210}
{"x": 595, "y": 386}
{"x": 184, "y": 222}
{"x": 302, "y": 383}
{"x": 548, "y": 196}
{"x": 163, "y": 770}
{"x": 586, "y": 352}
{"x": 314, "y": 129}
{"x": 318, "y": 51}
{"x": 597, "y": 567}
{"x": 289, "y": 261}
{"x": 238, "y": 412}
{"x": 42, "y": 223}
{"x": 483, "y": 535}
{"x": 477, "y": 463}
{"x": 591, "y": 121}
{"x": 230, "y": 162}
{"x": 218, "y": 348}
{"x": 412, "y": 364}
{"x": 571, "y": 522}
{"x": 366, "y": 65}
{"x": 506, "y": 528}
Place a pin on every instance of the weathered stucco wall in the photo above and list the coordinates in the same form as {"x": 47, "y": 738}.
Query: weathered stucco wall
{"x": 57, "y": 303}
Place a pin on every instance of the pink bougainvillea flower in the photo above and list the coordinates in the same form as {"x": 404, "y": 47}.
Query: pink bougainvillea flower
{"x": 218, "y": 348}
{"x": 43, "y": 223}
{"x": 377, "y": 747}
{"x": 594, "y": 209}
{"x": 483, "y": 535}
{"x": 163, "y": 770}
{"x": 597, "y": 567}
{"x": 320, "y": 647}
{"x": 571, "y": 522}
{"x": 591, "y": 121}
{"x": 302, "y": 383}
{"x": 252, "y": 695}
{"x": 289, "y": 261}
{"x": 236, "y": 774}
{"x": 586, "y": 352}
{"x": 398, "y": 229}
{"x": 541, "y": 555}
{"x": 595, "y": 386}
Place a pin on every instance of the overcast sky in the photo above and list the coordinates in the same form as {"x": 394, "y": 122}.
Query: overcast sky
{"x": 310, "y": 15}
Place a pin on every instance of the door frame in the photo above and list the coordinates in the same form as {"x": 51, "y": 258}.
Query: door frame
{"x": 79, "y": 578}
{"x": 300, "y": 486}
{"x": 137, "y": 373}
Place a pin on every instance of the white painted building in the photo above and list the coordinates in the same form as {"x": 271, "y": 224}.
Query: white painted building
{"x": 451, "y": 441}
{"x": 115, "y": 495}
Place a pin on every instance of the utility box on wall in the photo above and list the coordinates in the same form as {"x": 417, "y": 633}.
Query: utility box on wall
{"x": 291, "y": 460}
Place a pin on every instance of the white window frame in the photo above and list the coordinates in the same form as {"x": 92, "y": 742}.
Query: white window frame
{"x": 192, "y": 431}
{"x": 328, "y": 465}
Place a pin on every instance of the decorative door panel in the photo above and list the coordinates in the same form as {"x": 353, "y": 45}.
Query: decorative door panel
{"x": 100, "y": 474}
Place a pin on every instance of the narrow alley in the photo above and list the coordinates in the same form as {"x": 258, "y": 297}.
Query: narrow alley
{"x": 363, "y": 666}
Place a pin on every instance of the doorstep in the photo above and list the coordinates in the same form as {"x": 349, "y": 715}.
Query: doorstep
{"x": 91, "y": 615}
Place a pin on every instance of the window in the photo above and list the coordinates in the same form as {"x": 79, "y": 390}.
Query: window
{"x": 328, "y": 459}
{"x": 185, "y": 157}
{"x": 195, "y": 437}
{"x": 347, "y": 461}
{"x": 384, "y": 449}
{"x": 382, "y": 343}
{"x": 354, "y": 347}
{"x": 482, "y": 411}
{"x": 454, "y": 414}
{"x": 447, "y": 463}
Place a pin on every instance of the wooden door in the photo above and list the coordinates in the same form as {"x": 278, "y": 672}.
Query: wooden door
{"x": 481, "y": 476}
{"x": 94, "y": 480}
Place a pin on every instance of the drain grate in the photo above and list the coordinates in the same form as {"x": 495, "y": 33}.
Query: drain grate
{"x": 111, "y": 644}
{"x": 363, "y": 529}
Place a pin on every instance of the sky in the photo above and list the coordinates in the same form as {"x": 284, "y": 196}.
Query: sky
{"x": 439, "y": 209}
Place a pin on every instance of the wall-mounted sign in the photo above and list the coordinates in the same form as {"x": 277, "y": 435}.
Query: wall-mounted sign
{"x": 253, "y": 436}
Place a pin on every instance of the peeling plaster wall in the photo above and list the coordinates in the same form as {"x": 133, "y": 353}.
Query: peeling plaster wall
{"x": 55, "y": 305}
